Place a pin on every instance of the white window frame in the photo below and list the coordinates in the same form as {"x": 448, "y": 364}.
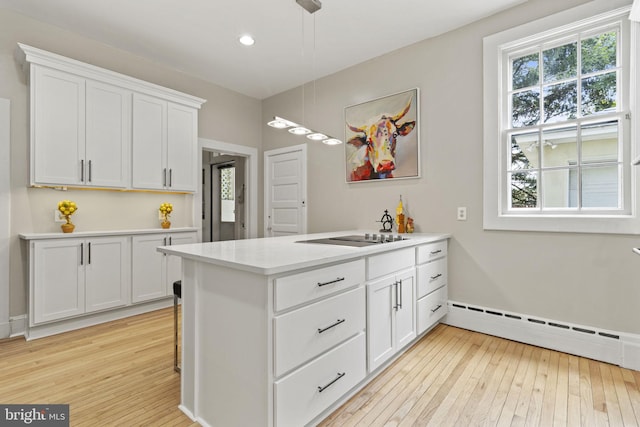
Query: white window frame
{"x": 495, "y": 214}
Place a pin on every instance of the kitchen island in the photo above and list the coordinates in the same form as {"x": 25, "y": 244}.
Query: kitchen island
{"x": 280, "y": 332}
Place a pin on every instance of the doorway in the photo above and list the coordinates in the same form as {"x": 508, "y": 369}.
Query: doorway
{"x": 245, "y": 195}
{"x": 223, "y": 191}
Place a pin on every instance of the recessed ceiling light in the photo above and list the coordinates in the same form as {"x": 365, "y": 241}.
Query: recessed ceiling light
{"x": 247, "y": 40}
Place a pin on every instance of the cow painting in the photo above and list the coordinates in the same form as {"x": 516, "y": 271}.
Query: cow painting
{"x": 372, "y": 151}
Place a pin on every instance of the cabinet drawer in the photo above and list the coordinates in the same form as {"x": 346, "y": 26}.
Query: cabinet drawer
{"x": 305, "y": 333}
{"x": 431, "y": 251}
{"x": 431, "y": 309}
{"x": 389, "y": 262}
{"x": 310, "y": 285}
{"x": 305, "y": 393}
{"x": 431, "y": 276}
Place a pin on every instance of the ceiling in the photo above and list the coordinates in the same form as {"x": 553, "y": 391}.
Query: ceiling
{"x": 200, "y": 37}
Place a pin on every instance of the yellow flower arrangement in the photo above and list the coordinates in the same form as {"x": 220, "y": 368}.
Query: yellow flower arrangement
{"x": 165, "y": 212}
{"x": 67, "y": 208}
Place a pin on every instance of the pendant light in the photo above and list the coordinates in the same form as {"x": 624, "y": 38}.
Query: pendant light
{"x": 294, "y": 128}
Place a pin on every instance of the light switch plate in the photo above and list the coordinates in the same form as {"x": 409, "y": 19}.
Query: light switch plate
{"x": 57, "y": 216}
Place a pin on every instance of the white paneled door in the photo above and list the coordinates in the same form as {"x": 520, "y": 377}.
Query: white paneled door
{"x": 285, "y": 191}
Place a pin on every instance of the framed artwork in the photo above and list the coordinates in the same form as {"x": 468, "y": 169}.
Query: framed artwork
{"x": 383, "y": 138}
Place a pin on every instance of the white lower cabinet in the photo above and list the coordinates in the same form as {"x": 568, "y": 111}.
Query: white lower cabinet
{"x": 431, "y": 309}
{"x": 319, "y": 341}
{"x": 72, "y": 277}
{"x": 432, "y": 284}
{"x": 391, "y": 316}
{"x": 153, "y": 273}
{"x": 305, "y": 333}
{"x": 86, "y": 278}
{"x": 304, "y": 394}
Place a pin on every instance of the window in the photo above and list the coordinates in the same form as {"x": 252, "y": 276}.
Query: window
{"x": 227, "y": 193}
{"x": 558, "y": 138}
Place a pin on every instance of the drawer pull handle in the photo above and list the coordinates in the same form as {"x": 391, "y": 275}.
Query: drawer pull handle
{"x": 340, "y": 375}
{"x": 339, "y": 279}
{"x": 437, "y": 308}
{"x": 436, "y": 252}
{"x": 331, "y": 326}
{"x": 436, "y": 276}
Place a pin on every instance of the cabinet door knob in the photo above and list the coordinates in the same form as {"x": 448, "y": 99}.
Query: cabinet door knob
{"x": 82, "y": 170}
{"x": 433, "y": 310}
{"x": 81, "y": 253}
{"x": 90, "y": 171}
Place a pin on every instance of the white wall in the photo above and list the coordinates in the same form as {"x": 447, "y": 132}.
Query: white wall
{"x": 5, "y": 217}
{"x": 586, "y": 279}
{"x": 227, "y": 116}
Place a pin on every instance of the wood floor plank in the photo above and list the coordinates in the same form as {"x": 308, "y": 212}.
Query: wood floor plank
{"x": 560, "y": 417}
{"x": 614, "y": 415}
{"x": 550, "y": 388}
{"x": 587, "y": 404}
{"x": 598, "y": 394}
{"x": 534, "y": 411}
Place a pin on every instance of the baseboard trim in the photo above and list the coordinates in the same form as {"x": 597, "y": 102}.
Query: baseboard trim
{"x": 607, "y": 346}
{"x": 18, "y": 325}
{"x": 40, "y": 331}
{"x": 5, "y": 330}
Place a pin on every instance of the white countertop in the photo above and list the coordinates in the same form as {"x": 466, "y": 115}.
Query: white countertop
{"x": 273, "y": 255}
{"x": 81, "y": 234}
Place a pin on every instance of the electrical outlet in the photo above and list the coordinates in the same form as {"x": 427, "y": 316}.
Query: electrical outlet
{"x": 462, "y": 213}
{"x": 57, "y": 216}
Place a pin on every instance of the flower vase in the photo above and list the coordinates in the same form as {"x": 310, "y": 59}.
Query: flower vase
{"x": 68, "y": 227}
{"x": 165, "y": 224}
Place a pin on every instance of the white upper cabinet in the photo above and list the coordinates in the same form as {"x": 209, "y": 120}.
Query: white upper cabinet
{"x": 150, "y": 142}
{"x": 94, "y": 127}
{"x": 182, "y": 144}
{"x": 57, "y": 127}
{"x": 165, "y": 141}
{"x": 108, "y": 136}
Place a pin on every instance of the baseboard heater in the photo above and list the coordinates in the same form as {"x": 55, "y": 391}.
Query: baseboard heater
{"x": 608, "y": 346}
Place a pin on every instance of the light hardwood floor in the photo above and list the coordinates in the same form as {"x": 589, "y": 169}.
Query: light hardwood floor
{"x": 121, "y": 374}
{"x": 115, "y": 374}
{"x": 454, "y": 377}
